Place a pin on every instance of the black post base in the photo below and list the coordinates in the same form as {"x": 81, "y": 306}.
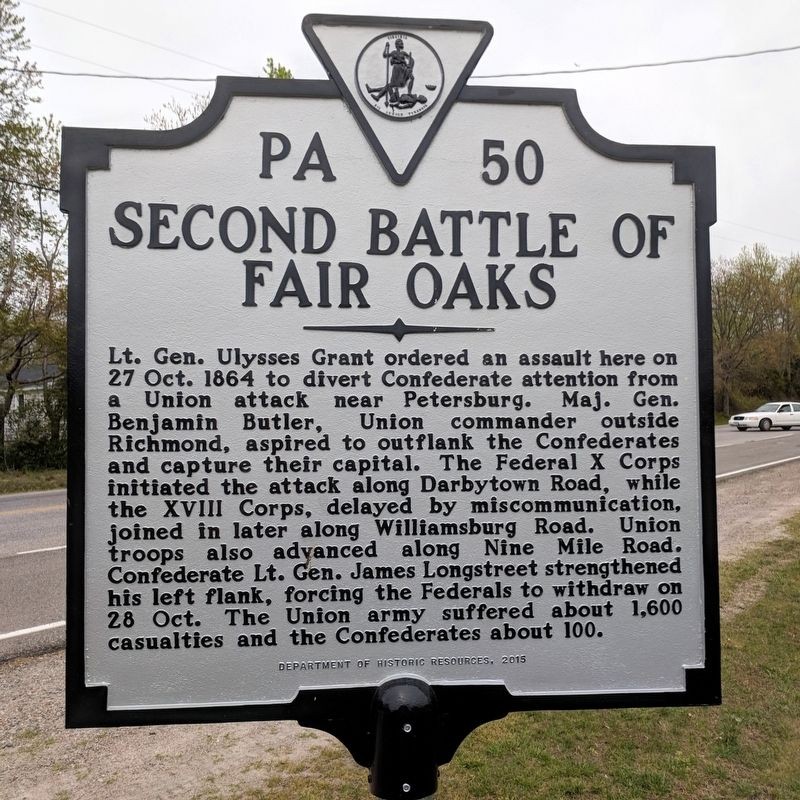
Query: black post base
{"x": 404, "y": 765}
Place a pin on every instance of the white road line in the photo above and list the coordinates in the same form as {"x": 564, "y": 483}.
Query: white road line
{"x": 41, "y": 550}
{"x": 37, "y": 629}
{"x": 758, "y": 466}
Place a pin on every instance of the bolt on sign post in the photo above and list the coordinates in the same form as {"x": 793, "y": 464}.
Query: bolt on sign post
{"x": 390, "y": 408}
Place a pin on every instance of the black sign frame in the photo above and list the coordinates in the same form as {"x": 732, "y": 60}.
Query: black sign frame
{"x": 339, "y": 711}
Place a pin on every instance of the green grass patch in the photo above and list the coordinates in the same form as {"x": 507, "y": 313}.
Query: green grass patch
{"x": 745, "y": 749}
{"x": 41, "y": 480}
{"x": 33, "y": 741}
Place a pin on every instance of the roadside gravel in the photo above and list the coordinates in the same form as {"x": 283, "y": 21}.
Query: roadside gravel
{"x": 39, "y": 760}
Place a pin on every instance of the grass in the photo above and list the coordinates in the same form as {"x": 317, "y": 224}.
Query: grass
{"x": 14, "y": 481}
{"x": 33, "y": 742}
{"x": 746, "y": 749}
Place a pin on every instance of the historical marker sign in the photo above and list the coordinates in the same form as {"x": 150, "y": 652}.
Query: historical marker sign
{"x": 387, "y": 376}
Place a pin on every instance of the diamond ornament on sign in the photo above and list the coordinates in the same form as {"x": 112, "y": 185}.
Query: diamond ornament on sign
{"x": 408, "y": 71}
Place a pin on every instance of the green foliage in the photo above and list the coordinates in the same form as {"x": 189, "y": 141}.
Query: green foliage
{"x": 274, "y": 69}
{"x": 33, "y": 446}
{"x": 32, "y": 230}
{"x": 12, "y": 482}
{"x": 756, "y": 329}
{"x": 17, "y": 82}
{"x": 38, "y": 430}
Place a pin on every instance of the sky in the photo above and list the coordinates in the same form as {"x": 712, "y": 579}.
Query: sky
{"x": 748, "y": 108}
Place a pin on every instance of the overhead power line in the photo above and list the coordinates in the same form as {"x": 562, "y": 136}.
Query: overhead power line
{"x": 120, "y": 73}
{"x": 128, "y": 36}
{"x": 759, "y": 230}
{"x": 643, "y": 65}
{"x": 66, "y": 74}
{"x": 575, "y": 71}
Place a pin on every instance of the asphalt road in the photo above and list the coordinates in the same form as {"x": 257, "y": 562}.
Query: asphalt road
{"x": 32, "y": 574}
{"x": 32, "y": 543}
{"x": 738, "y": 452}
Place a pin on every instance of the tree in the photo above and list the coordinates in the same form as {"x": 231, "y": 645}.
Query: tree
{"x": 32, "y": 230}
{"x": 756, "y": 327}
{"x": 787, "y": 327}
{"x": 741, "y": 300}
{"x": 174, "y": 114}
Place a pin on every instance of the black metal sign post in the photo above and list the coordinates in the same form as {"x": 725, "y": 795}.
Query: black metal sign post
{"x": 390, "y": 408}
{"x": 404, "y": 764}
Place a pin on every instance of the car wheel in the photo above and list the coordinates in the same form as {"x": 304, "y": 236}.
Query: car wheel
{"x": 765, "y": 424}
{"x": 742, "y": 428}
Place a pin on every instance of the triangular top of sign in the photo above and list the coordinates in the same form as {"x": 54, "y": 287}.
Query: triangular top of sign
{"x": 399, "y": 76}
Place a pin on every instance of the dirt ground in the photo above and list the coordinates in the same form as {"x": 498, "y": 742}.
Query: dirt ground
{"x": 39, "y": 760}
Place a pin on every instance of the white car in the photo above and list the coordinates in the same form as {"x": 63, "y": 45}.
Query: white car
{"x": 778, "y": 415}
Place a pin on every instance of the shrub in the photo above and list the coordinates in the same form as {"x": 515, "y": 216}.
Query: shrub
{"x": 31, "y": 445}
